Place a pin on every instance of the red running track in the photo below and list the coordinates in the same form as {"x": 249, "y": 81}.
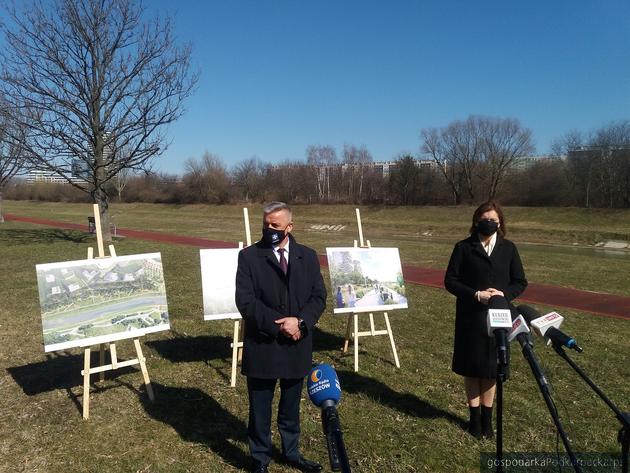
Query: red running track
{"x": 599, "y": 303}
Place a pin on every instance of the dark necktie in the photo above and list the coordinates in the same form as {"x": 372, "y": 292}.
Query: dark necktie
{"x": 283, "y": 261}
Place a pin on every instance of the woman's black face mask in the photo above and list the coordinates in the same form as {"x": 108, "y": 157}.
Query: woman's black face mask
{"x": 487, "y": 227}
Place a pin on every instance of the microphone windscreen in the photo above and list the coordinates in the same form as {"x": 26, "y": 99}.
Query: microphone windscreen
{"x": 323, "y": 385}
{"x": 498, "y": 302}
{"x": 528, "y": 313}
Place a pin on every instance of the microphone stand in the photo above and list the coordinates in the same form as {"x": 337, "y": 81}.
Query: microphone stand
{"x": 334, "y": 438}
{"x": 528, "y": 353}
{"x": 503, "y": 358}
{"x": 623, "y": 417}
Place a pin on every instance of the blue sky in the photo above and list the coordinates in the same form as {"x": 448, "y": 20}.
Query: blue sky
{"x": 277, "y": 76}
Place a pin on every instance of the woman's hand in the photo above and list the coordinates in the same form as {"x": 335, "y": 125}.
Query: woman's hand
{"x": 495, "y": 292}
{"x": 484, "y": 296}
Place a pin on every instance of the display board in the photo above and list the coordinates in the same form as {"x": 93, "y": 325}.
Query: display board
{"x": 94, "y": 301}
{"x": 366, "y": 279}
{"x": 218, "y": 281}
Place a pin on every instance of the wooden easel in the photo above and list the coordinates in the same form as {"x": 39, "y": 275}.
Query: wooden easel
{"x": 237, "y": 339}
{"x": 355, "y": 317}
{"x": 115, "y": 364}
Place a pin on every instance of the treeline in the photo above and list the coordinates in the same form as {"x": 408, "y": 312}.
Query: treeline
{"x": 464, "y": 162}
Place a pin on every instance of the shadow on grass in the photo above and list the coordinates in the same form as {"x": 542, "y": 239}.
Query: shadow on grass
{"x": 326, "y": 341}
{"x": 62, "y": 371}
{"x": 48, "y": 235}
{"x": 183, "y": 348}
{"x": 197, "y": 417}
{"x": 403, "y": 402}
{"x": 188, "y": 349}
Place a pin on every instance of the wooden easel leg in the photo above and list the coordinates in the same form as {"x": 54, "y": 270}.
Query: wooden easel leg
{"x": 356, "y": 343}
{"x": 391, "y": 339}
{"x": 86, "y": 383}
{"x": 235, "y": 353}
{"x": 101, "y": 359}
{"x": 143, "y": 367}
{"x": 348, "y": 334}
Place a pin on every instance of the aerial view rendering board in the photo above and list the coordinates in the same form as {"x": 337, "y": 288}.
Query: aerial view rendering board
{"x": 218, "y": 282}
{"x": 95, "y": 301}
{"x": 366, "y": 279}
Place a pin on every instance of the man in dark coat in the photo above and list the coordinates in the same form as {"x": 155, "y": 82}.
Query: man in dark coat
{"x": 281, "y": 294}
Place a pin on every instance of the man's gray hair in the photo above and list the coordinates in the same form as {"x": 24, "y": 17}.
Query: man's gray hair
{"x": 275, "y": 206}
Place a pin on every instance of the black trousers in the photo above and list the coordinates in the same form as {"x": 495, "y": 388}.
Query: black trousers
{"x": 260, "y": 393}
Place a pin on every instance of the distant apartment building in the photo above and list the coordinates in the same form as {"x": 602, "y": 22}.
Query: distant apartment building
{"x": 526, "y": 162}
{"x": 79, "y": 174}
{"x": 384, "y": 168}
{"x": 616, "y": 151}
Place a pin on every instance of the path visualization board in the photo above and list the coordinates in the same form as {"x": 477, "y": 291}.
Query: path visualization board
{"x": 366, "y": 279}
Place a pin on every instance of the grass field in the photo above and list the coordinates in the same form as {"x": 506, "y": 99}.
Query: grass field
{"x": 394, "y": 420}
{"x": 554, "y": 242}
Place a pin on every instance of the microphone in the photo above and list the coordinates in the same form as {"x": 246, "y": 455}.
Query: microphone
{"x": 323, "y": 386}
{"x": 548, "y": 326}
{"x": 324, "y": 391}
{"x": 499, "y": 322}
{"x": 521, "y": 332}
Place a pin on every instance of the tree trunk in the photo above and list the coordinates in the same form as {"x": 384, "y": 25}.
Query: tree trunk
{"x": 588, "y": 191}
{"x": 1, "y": 213}
{"x": 328, "y": 184}
{"x": 361, "y": 186}
{"x": 103, "y": 207}
{"x": 456, "y": 198}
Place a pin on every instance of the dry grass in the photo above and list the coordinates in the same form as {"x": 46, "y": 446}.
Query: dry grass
{"x": 394, "y": 420}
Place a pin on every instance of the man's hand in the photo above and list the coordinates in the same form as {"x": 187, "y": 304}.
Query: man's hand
{"x": 290, "y": 327}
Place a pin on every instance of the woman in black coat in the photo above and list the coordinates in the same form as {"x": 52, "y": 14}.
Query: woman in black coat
{"x": 483, "y": 265}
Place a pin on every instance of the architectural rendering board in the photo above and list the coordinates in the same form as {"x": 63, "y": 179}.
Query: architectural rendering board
{"x": 94, "y": 301}
{"x": 366, "y": 279}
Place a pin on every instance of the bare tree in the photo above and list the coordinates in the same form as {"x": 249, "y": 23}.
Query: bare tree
{"x": 121, "y": 180}
{"x": 579, "y": 166}
{"x": 456, "y": 149}
{"x": 207, "y": 180}
{"x": 504, "y": 141}
{"x": 610, "y": 149}
{"x": 404, "y": 181}
{"x": 248, "y": 176}
{"x": 11, "y": 154}
{"x": 468, "y": 151}
{"x": 88, "y": 78}
{"x": 321, "y": 159}
{"x": 356, "y": 160}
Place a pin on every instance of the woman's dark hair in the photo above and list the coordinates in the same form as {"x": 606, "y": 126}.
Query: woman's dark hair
{"x": 486, "y": 207}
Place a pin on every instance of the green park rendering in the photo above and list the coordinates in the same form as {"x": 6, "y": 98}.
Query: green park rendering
{"x": 82, "y": 301}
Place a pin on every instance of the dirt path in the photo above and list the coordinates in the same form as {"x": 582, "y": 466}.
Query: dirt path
{"x": 599, "y": 303}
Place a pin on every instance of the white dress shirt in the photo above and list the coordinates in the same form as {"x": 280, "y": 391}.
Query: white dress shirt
{"x": 488, "y": 247}
{"x": 286, "y": 252}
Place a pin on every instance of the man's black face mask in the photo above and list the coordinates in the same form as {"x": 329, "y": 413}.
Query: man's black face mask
{"x": 272, "y": 237}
